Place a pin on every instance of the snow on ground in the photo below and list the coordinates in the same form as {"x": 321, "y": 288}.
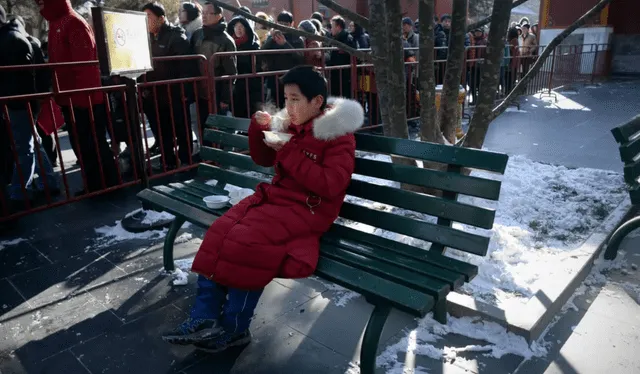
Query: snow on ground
{"x": 423, "y": 340}
{"x": 341, "y": 296}
{"x": 544, "y": 214}
{"x": 110, "y": 235}
{"x": 9, "y": 243}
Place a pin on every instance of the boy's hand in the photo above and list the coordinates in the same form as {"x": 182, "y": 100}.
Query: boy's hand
{"x": 275, "y": 146}
{"x": 263, "y": 118}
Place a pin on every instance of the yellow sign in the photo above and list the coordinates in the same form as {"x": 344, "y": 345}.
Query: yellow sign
{"x": 127, "y": 42}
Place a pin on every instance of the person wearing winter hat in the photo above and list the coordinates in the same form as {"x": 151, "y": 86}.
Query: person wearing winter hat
{"x": 246, "y": 91}
{"x": 261, "y": 31}
{"x": 408, "y": 34}
{"x": 190, "y": 18}
{"x": 314, "y": 57}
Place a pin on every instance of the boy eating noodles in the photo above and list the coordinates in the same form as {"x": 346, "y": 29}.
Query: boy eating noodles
{"x": 275, "y": 232}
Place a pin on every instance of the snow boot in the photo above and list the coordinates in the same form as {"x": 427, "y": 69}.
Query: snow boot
{"x": 193, "y": 330}
{"x": 224, "y": 342}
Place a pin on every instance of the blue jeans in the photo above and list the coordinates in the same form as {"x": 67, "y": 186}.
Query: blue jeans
{"x": 232, "y": 307}
{"x": 27, "y": 157}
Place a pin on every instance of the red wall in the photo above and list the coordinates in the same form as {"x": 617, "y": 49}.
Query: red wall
{"x": 621, "y": 16}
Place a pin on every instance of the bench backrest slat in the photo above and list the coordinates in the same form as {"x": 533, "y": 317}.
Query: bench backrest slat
{"x": 426, "y": 204}
{"x": 228, "y": 139}
{"x": 430, "y": 232}
{"x": 632, "y": 172}
{"x": 441, "y": 180}
{"x": 467, "y": 157}
{"x": 240, "y": 161}
{"x": 629, "y": 151}
{"x": 229, "y": 176}
{"x": 228, "y": 123}
{"x": 627, "y": 131}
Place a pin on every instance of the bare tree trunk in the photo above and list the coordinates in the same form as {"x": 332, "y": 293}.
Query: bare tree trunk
{"x": 429, "y": 131}
{"x": 397, "y": 76}
{"x": 380, "y": 47}
{"x": 455, "y": 60}
{"x": 522, "y": 85}
{"x": 490, "y": 74}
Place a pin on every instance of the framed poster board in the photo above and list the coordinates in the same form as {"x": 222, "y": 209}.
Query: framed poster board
{"x": 123, "y": 42}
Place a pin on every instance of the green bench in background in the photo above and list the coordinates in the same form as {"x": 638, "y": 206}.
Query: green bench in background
{"x": 389, "y": 274}
{"x": 628, "y": 135}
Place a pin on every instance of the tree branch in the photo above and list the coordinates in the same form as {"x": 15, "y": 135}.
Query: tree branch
{"x": 327, "y": 41}
{"x": 488, "y": 19}
{"x": 522, "y": 85}
{"x": 355, "y": 17}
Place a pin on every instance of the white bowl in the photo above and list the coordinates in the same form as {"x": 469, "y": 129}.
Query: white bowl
{"x": 216, "y": 201}
{"x": 277, "y": 137}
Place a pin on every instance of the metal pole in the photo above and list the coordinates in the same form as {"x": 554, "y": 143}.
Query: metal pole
{"x": 134, "y": 120}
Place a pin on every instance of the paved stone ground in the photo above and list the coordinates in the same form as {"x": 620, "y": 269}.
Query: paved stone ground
{"x": 575, "y": 131}
{"x": 70, "y": 307}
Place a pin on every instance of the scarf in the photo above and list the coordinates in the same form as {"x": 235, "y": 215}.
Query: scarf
{"x": 240, "y": 41}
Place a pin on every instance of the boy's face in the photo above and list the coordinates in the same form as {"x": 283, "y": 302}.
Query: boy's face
{"x": 299, "y": 108}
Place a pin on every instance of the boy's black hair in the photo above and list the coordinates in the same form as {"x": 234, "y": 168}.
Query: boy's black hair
{"x": 318, "y": 16}
{"x": 338, "y": 20}
{"x": 156, "y": 8}
{"x": 285, "y": 16}
{"x": 310, "y": 81}
{"x": 216, "y": 9}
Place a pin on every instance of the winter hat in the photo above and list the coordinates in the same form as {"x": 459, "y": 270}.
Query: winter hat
{"x": 407, "y": 21}
{"x": 308, "y": 26}
{"x": 192, "y": 10}
{"x": 445, "y": 16}
{"x": 3, "y": 15}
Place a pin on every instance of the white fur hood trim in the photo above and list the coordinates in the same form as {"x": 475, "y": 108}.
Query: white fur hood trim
{"x": 343, "y": 116}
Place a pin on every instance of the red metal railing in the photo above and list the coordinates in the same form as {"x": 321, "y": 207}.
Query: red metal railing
{"x": 172, "y": 107}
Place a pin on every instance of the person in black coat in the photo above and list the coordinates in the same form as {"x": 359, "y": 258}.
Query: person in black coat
{"x": 247, "y": 91}
{"x": 359, "y": 36}
{"x": 168, "y": 40}
{"x": 341, "y": 78}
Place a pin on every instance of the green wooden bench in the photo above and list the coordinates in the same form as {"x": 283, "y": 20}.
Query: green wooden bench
{"x": 388, "y": 273}
{"x": 628, "y": 136}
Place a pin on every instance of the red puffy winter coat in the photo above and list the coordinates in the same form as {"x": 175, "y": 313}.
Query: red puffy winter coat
{"x": 71, "y": 40}
{"x": 275, "y": 233}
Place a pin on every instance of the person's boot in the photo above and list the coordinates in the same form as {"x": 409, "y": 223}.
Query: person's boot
{"x": 193, "y": 330}
{"x": 224, "y": 341}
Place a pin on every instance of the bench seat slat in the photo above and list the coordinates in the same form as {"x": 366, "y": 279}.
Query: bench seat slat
{"x": 188, "y": 199}
{"x": 430, "y": 232}
{"x": 452, "y": 278}
{"x": 351, "y": 237}
{"x": 634, "y": 193}
{"x": 413, "y": 279}
{"x": 431, "y": 205}
{"x": 401, "y": 297}
{"x": 228, "y": 123}
{"x": 203, "y": 186}
{"x": 195, "y": 215}
{"x": 467, "y": 157}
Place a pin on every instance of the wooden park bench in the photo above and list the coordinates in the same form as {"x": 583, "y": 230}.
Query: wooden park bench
{"x": 628, "y": 136}
{"x": 388, "y": 273}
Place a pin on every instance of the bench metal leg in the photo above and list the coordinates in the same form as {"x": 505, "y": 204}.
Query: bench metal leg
{"x": 618, "y": 236}
{"x": 167, "y": 251}
{"x": 440, "y": 311}
{"x": 371, "y": 338}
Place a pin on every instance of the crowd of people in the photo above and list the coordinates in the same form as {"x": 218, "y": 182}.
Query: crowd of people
{"x": 198, "y": 30}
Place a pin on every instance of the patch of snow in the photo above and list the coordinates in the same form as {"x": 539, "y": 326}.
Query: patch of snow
{"x": 420, "y": 341}
{"x": 180, "y": 278}
{"x": 211, "y": 182}
{"x": 152, "y": 217}
{"x": 515, "y": 110}
{"x": 341, "y": 295}
{"x": 184, "y": 264}
{"x": 110, "y": 235}
{"x": 184, "y": 237}
{"x": 9, "y": 243}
